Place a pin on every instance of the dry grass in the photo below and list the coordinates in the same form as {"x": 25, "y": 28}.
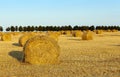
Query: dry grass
{"x": 41, "y": 50}
{"x": 96, "y": 58}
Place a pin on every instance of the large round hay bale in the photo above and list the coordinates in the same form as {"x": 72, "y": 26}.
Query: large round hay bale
{"x": 24, "y": 38}
{"x": 87, "y": 35}
{"x": 41, "y": 50}
{"x": 54, "y": 36}
{"x": 6, "y": 37}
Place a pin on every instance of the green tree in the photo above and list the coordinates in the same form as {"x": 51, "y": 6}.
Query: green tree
{"x": 28, "y": 28}
{"x": 32, "y": 28}
{"x": 8, "y": 29}
{"x": 1, "y": 28}
{"x": 12, "y": 28}
{"x": 24, "y": 28}
{"x": 20, "y": 28}
{"x": 16, "y": 28}
{"x": 92, "y": 28}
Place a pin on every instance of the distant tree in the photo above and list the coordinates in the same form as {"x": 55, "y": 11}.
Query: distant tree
{"x": 84, "y": 28}
{"x": 24, "y": 28}
{"x": 69, "y": 27}
{"x": 8, "y": 29}
{"x": 76, "y": 27}
{"x": 92, "y": 28}
{"x": 16, "y": 28}
{"x": 47, "y": 28}
{"x": 32, "y": 28}
{"x": 20, "y": 28}
{"x": 118, "y": 28}
{"x": 28, "y": 28}
{"x": 40, "y": 28}
{"x": 12, "y": 28}
{"x": 56, "y": 28}
{"x": 97, "y": 27}
{"x": 1, "y": 28}
{"x": 105, "y": 27}
{"x": 36, "y": 28}
{"x": 43, "y": 28}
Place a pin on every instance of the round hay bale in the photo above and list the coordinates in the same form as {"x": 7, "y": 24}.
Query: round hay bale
{"x": 98, "y": 31}
{"x": 41, "y": 50}
{"x": 16, "y": 33}
{"x": 109, "y": 30}
{"x": 53, "y": 35}
{"x": 68, "y": 33}
{"x": 24, "y": 38}
{"x": 114, "y": 30}
{"x": 1, "y": 33}
{"x": 6, "y": 37}
{"x": 87, "y": 35}
{"x": 63, "y": 32}
{"x": 77, "y": 33}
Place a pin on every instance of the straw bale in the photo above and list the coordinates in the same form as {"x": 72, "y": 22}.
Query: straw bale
{"x": 87, "y": 35}
{"x": 54, "y": 35}
{"x": 6, "y": 37}
{"x": 99, "y": 31}
{"x": 24, "y": 38}
{"x": 77, "y": 33}
{"x": 41, "y": 50}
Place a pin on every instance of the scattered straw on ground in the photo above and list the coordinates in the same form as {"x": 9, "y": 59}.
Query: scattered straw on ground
{"x": 93, "y": 58}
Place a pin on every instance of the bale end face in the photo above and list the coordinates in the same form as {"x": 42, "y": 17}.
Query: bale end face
{"x": 41, "y": 50}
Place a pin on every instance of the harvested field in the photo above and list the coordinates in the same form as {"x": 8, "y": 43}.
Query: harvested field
{"x": 99, "y": 57}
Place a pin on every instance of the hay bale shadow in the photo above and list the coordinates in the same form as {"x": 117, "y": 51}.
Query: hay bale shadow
{"x": 114, "y": 35}
{"x": 75, "y": 39}
{"x": 116, "y": 45}
{"x": 113, "y": 60}
{"x": 17, "y": 55}
{"x": 16, "y": 44}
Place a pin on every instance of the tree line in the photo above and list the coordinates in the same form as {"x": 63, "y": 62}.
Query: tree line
{"x": 58, "y": 28}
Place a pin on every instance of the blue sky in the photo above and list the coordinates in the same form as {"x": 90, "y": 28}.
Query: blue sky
{"x": 59, "y": 12}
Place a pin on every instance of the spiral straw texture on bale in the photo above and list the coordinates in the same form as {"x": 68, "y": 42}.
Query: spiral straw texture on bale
{"x": 24, "y": 38}
{"x": 41, "y": 50}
